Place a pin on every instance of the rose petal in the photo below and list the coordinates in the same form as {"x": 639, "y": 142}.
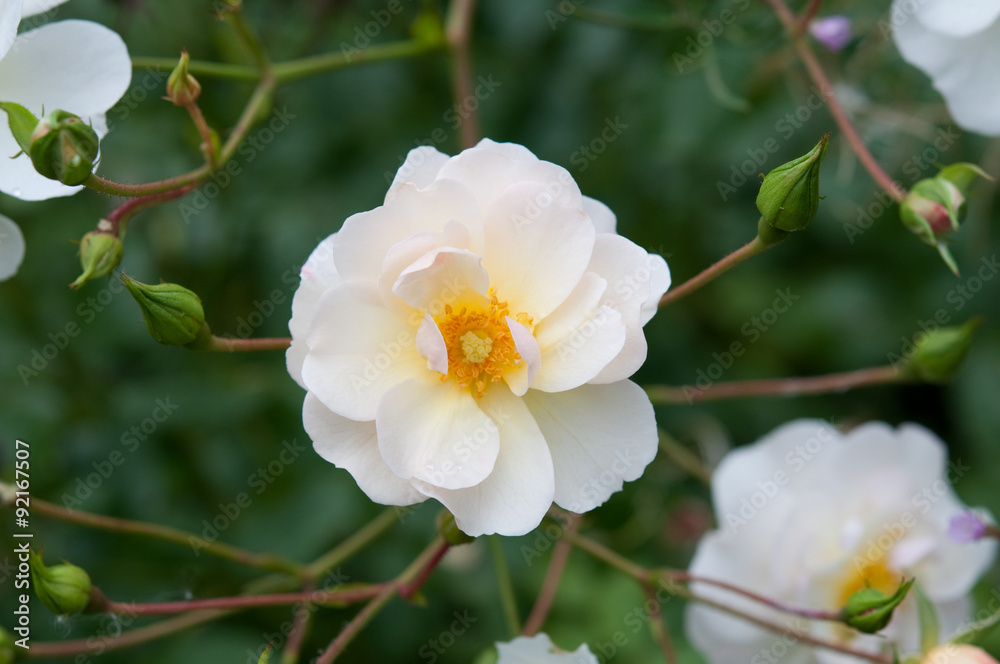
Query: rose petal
{"x": 599, "y": 436}
{"x": 317, "y": 276}
{"x": 521, "y": 377}
{"x": 602, "y": 216}
{"x": 11, "y": 248}
{"x": 420, "y": 168}
{"x": 429, "y": 430}
{"x": 431, "y": 344}
{"x": 958, "y": 19}
{"x": 516, "y": 495}
{"x": 10, "y": 17}
{"x": 353, "y": 446}
{"x": 443, "y": 277}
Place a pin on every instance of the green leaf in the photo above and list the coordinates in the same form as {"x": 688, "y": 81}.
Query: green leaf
{"x": 22, "y": 123}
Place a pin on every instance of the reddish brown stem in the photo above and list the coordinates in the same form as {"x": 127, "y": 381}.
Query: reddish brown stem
{"x": 224, "y": 345}
{"x": 547, "y": 595}
{"x": 247, "y": 602}
{"x": 130, "y": 208}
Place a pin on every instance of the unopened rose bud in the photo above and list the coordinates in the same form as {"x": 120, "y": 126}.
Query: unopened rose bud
{"x": 954, "y": 653}
{"x": 173, "y": 314}
{"x": 940, "y": 353}
{"x": 870, "y": 610}
{"x": 182, "y": 88}
{"x": 63, "y": 147}
{"x": 100, "y": 252}
{"x": 789, "y": 196}
{"x": 65, "y": 588}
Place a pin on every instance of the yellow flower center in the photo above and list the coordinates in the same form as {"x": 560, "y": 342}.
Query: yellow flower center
{"x": 480, "y": 347}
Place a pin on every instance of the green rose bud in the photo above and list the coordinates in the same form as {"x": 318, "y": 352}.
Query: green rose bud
{"x": 63, "y": 147}
{"x": 65, "y": 588}
{"x": 182, "y": 88}
{"x": 870, "y": 610}
{"x": 789, "y": 196}
{"x": 100, "y": 252}
{"x": 173, "y": 314}
{"x": 934, "y": 207}
{"x": 265, "y": 656}
{"x": 449, "y": 529}
{"x": 939, "y": 354}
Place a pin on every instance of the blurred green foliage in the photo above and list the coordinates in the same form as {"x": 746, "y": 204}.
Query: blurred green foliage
{"x": 558, "y": 85}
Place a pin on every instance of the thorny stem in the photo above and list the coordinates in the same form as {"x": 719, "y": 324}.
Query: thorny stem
{"x": 840, "y": 382}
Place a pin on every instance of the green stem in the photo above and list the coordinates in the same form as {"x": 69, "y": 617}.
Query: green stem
{"x": 508, "y": 600}
{"x": 318, "y": 64}
{"x": 300, "y": 629}
{"x": 320, "y": 597}
{"x": 259, "y": 560}
{"x": 752, "y": 248}
{"x": 200, "y": 68}
{"x": 685, "y": 458}
{"x": 224, "y": 345}
{"x": 650, "y": 24}
{"x": 840, "y": 382}
{"x": 248, "y": 36}
{"x": 352, "y": 545}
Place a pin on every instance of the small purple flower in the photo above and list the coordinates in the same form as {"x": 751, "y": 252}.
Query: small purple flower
{"x": 834, "y": 32}
{"x": 966, "y": 527}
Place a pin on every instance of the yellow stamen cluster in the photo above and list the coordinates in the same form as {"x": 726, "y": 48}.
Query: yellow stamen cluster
{"x": 480, "y": 347}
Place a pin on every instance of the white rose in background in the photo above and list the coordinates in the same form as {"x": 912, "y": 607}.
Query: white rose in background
{"x": 808, "y": 516}
{"x": 75, "y": 66}
{"x": 957, "y": 44}
{"x": 11, "y": 248}
{"x": 539, "y": 649}
{"x": 470, "y": 341}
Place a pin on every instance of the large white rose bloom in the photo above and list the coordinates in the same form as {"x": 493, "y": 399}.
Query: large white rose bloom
{"x": 957, "y": 44}
{"x": 539, "y": 649}
{"x": 808, "y": 516}
{"x": 470, "y": 340}
{"x": 75, "y": 66}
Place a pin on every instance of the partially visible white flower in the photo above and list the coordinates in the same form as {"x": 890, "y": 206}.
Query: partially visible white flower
{"x": 75, "y": 66}
{"x": 471, "y": 341}
{"x": 11, "y": 247}
{"x": 539, "y": 649}
{"x": 957, "y": 44}
{"x": 952, "y": 653}
{"x": 808, "y": 516}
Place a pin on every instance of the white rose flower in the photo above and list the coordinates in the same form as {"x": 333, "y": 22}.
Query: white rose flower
{"x": 470, "y": 341}
{"x": 957, "y": 44}
{"x": 11, "y": 248}
{"x": 75, "y": 66}
{"x": 539, "y": 649}
{"x": 808, "y": 516}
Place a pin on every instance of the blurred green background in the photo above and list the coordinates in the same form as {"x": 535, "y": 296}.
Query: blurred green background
{"x": 559, "y": 80}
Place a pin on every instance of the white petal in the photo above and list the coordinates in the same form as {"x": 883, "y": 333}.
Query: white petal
{"x": 420, "y": 168}
{"x": 584, "y": 353}
{"x": 317, "y": 275}
{"x": 958, "y": 19}
{"x": 431, "y": 345}
{"x": 599, "y": 435}
{"x": 602, "y": 216}
{"x": 490, "y": 168}
{"x": 18, "y": 178}
{"x": 366, "y": 237}
{"x": 357, "y": 351}
{"x": 35, "y": 7}
{"x": 76, "y": 66}
{"x": 353, "y": 446}
{"x": 441, "y": 277}
{"x": 539, "y": 649}
{"x": 11, "y": 248}
{"x": 10, "y": 16}
{"x": 521, "y": 377}
{"x": 535, "y": 264}
{"x": 403, "y": 254}
{"x": 514, "y": 498}
{"x": 431, "y": 431}
{"x": 964, "y": 69}
{"x": 634, "y": 280}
